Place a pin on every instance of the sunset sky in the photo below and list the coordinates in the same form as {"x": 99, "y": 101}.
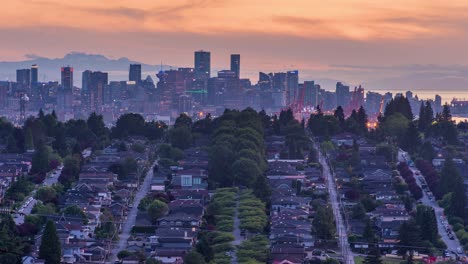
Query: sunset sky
{"x": 344, "y": 39}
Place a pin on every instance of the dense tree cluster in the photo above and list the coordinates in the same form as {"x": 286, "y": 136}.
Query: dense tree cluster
{"x": 452, "y": 182}
{"x": 13, "y": 245}
{"x": 324, "y": 223}
{"x": 50, "y": 249}
{"x": 431, "y": 176}
{"x": 134, "y": 125}
{"x": 237, "y": 150}
{"x": 408, "y": 176}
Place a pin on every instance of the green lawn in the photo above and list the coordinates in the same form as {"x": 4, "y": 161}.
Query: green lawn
{"x": 360, "y": 260}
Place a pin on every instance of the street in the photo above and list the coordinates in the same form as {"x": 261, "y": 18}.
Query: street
{"x": 51, "y": 178}
{"x": 340, "y": 227}
{"x": 452, "y": 245}
{"x": 131, "y": 217}
{"x": 238, "y": 238}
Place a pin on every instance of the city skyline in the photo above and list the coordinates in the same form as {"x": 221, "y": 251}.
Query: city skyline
{"x": 345, "y": 42}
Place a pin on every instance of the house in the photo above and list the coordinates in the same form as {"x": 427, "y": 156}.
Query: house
{"x": 158, "y": 184}
{"x": 190, "y": 207}
{"x": 286, "y": 253}
{"x": 10, "y": 172}
{"x": 201, "y": 196}
{"x": 105, "y": 176}
{"x": 170, "y": 256}
{"x": 190, "y": 179}
{"x": 293, "y": 202}
{"x": 179, "y": 220}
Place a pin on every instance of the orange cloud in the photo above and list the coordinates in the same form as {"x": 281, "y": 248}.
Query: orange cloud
{"x": 332, "y": 19}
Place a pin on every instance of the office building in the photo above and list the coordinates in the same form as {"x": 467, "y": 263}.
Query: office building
{"x": 292, "y": 86}
{"x": 265, "y": 81}
{"x": 279, "y": 81}
{"x": 34, "y": 75}
{"x": 98, "y": 83}
{"x": 310, "y": 94}
{"x": 235, "y": 64}
{"x": 343, "y": 95}
{"x": 23, "y": 79}
{"x": 67, "y": 77}
{"x": 134, "y": 74}
{"x": 202, "y": 65}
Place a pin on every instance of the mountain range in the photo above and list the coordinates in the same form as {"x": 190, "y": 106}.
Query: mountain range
{"x": 49, "y": 68}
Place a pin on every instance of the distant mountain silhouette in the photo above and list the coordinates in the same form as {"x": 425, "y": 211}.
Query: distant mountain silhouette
{"x": 49, "y": 69}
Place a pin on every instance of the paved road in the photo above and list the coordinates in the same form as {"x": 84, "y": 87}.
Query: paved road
{"x": 131, "y": 217}
{"x": 50, "y": 179}
{"x": 452, "y": 245}
{"x": 238, "y": 239}
{"x": 340, "y": 226}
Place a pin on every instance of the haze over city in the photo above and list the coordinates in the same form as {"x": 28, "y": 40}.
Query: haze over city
{"x": 381, "y": 44}
{"x": 234, "y": 132}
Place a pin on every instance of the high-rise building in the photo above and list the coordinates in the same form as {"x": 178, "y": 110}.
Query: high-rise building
{"x": 67, "y": 77}
{"x": 342, "y": 95}
{"x": 292, "y": 86}
{"x": 134, "y": 73}
{"x": 437, "y": 104}
{"x": 235, "y": 64}
{"x": 86, "y": 80}
{"x": 96, "y": 88}
{"x": 265, "y": 81}
{"x": 310, "y": 94}
{"x": 279, "y": 81}
{"x": 202, "y": 65}
{"x": 34, "y": 75}
{"x": 23, "y": 79}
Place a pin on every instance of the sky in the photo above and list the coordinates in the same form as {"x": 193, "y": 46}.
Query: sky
{"x": 357, "y": 41}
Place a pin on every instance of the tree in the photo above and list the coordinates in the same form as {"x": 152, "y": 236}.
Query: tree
{"x": 123, "y": 254}
{"x": 75, "y": 211}
{"x": 183, "y": 120}
{"x": 396, "y": 125}
{"x": 358, "y": 212}
{"x": 409, "y": 235}
{"x": 28, "y": 139}
{"x": 449, "y": 175}
{"x": 426, "y": 116}
{"x": 245, "y": 172}
{"x": 411, "y": 139}
{"x": 340, "y": 116}
{"x": 193, "y": 257}
{"x": 180, "y": 137}
{"x": 12, "y": 146}
{"x": 369, "y": 234}
{"x": 427, "y": 151}
{"x": 128, "y": 125}
{"x": 324, "y": 223}
{"x": 152, "y": 261}
{"x": 46, "y": 194}
{"x": 427, "y": 222}
{"x": 50, "y": 249}
{"x": 446, "y": 115}
{"x": 13, "y": 247}
{"x": 40, "y": 159}
{"x": 399, "y": 104}
{"x": 156, "y": 209}
{"x": 96, "y": 124}
{"x": 373, "y": 257}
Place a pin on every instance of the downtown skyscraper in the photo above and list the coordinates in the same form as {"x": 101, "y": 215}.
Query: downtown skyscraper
{"x": 134, "y": 74}
{"x": 202, "y": 65}
{"x": 235, "y": 64}
{"x": 67, "y": 77}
